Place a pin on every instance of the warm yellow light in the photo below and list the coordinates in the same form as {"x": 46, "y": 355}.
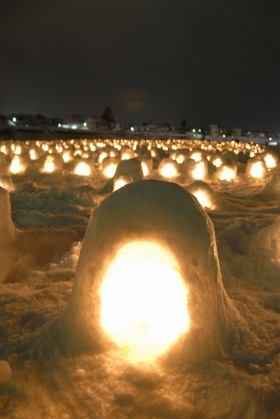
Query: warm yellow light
{"x": 77, "y": 152}
{"x": 145, "y": 168}
{"x": 227, "y": 173}
{"x": 32, "y": 154}
{"x": 199, "y": 172}
{"x": 82, "y": 169}
{"x": 17, "y": 149}
{"x": 217, "y": 162}
{"x": 45, "y": 147}
{"x": 143, "y": 301}
{"x": 16, "y": 166}
{"x": 102, "y": 156}
{"x": 6, "y": 183}
{"x": 203, "y": 199}
{"x": 196, "y": 156}
{"x": 113, "y": 153}
{"x": 180, "y": 158}
{"x": 49, "y": 165}
{"x": 120, "y": 182}
{"x": 109, "y": 170}
{"x": 168, "y": 170}
{"x": 270, "y": 161}
{"x": 257, "y": 170}
{"x": 4, "y": 149}
{"x": 66, "y": 155}
{"x": 126, "y": 156}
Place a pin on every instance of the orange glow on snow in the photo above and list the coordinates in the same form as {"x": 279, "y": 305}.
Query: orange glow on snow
{"x": 145, "y": 169}
{"x": 270, "y": 161}
{"x": 109, "y": 170}
{"x": 217, "y": 162}
{"x": 102, "y": 156}
{"x": 16, "y": 166}
{"x": 121, "y": 181}
{"x": 4, "y": 149}
{"x": 33, "y": 154}
{"x": 66, "y": 155}
{"x": 199, "y": 172}
{"x": 180, "y": 158}
{"x": 143, "y": 301}
{"x": 126, "y": 156}
{"x": 227, "y": 173}
{"x": 168, "y": 171}
{"x": 82, "y": 169}
{"x": 196, "y": 156}
{"x": 203, "y": 199}
{"x": 49, "y": 165}
{"x": 17, "y": 149}
{"x": 257, "y": 170}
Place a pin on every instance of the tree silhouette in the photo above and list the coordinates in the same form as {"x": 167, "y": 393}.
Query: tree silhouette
{"x": 108, "y": 115}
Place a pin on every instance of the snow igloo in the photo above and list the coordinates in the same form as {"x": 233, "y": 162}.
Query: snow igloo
{"x": 162, "y": 216}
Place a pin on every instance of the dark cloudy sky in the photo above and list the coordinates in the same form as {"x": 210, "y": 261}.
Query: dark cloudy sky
{"x": 208, "y": 61}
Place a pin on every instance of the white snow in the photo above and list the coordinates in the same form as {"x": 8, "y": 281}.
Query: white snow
{"x": 55, "y": 360}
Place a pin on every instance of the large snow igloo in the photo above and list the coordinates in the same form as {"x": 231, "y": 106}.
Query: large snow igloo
{"x": 166, "y": 214}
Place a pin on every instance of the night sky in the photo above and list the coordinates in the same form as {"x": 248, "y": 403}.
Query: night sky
{"x": 208, "y": 61}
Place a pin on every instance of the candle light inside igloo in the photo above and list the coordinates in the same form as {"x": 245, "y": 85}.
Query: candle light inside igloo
{"x": 143, "y": 300}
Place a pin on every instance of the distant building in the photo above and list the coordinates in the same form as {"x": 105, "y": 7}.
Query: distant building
{"x": 235, "y": 132}
{"x": 23, "y": 120}
{"x": 213, "y": 130}
{"x": 80, "y": 122}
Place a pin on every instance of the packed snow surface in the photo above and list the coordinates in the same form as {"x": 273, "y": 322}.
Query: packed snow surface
{"x": 59, "y": 231}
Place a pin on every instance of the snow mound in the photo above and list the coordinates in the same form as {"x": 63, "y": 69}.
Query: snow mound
{"x": 6, "y": 183}
{"x": 127, "y": 169}
{"x": 272, "y": 187}
{"x": 163, "y": 213}
{"x": 131, "y": 167}
{"x": 268, "y": 241}
{"x": 8, "y": 235}
{"x": 266, "y": 251}
{"x": 6, "y": 225}
{"x": 205, "y": 195}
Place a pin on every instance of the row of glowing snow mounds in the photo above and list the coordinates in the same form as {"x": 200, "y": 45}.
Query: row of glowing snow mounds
{"x": 193, "y": 159}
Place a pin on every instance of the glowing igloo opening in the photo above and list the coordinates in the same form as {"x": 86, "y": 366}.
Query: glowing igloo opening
{"x": 203, "y": 199}
{"x": 82, "y": 169}
{"x": 120, "y": 181}
{"x": 256, "y": 169}
{"x": 143, "y": 300}
{"x": 49, "y": 165}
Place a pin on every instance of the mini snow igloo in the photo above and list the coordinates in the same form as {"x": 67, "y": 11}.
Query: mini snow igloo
{"x": 272, "y": 187}
{"x": 265, "y": 248}
{"x": 205, "y": 195}
{"x": 130, "y": 167}
{"x": 168, "y": 168}
{"x": 8, "y": 235}
{"x": 162, "y": 224}
{"x": 127, "y": 171}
